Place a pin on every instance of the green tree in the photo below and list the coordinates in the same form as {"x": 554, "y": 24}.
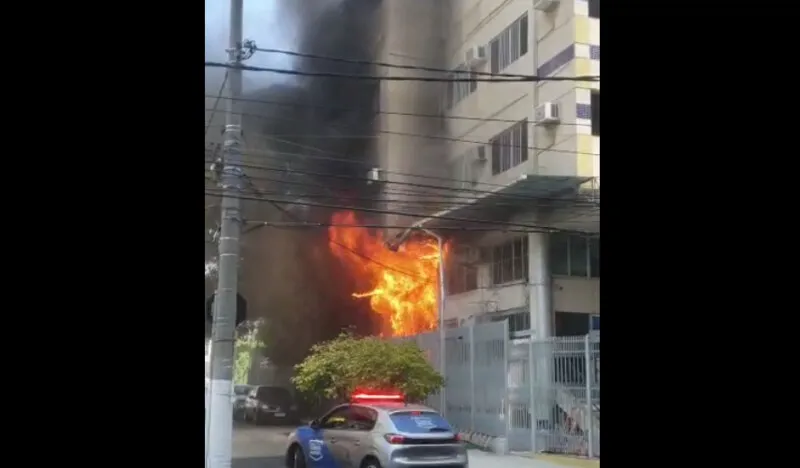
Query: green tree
{"x": 247, "y": 344}
{"x": 337, "y": 367}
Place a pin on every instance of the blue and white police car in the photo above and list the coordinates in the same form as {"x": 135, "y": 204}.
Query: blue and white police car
{"x": 377, "y": 430}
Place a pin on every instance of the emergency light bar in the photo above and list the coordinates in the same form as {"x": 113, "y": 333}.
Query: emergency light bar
{"x": 363, "y": 395}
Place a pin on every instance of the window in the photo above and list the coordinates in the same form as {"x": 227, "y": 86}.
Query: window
{"x": 510, "y": 148}
{"x": 594, "y": 257}
{"x": 575, "y": 256}
{"x": 595, "y": 113}
{"x": 509, "y": 45}
{"x": 510, "y": 261}
{"x": 362, "y": 418}
{"x": 459, "y": 90}
{"x": 336, "y": 419}
{"x": 463, "y": 278}
{"x": 578, "y": 256}
{"x": 594, "y": 9}
{"x": 559, "y": 255}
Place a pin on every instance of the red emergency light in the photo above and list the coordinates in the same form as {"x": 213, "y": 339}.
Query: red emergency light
{"x": 376, "y": 396}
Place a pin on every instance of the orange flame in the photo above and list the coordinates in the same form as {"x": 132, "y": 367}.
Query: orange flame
{"x": 401, "y": 286}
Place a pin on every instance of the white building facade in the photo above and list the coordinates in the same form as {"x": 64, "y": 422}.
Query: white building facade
{"x": 525, "y": 153}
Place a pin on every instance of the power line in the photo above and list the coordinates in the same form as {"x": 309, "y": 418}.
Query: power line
{"x": 437, "y": 137}
{"x": 270, "y": 154}
{"x": 535, "y": 228}
{"x": 403, "y": 114}
{"x": 336, "y": 243}
{"x": 216, "y": 101}
{"x": 411, "y": 184}
{"x": 304, "y": 224}
{"x": 403, "y": 78}
{"x": 407, "y": 67}
{"x": 447, "y": 201}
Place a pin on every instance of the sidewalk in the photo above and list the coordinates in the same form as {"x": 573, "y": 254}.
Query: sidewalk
{"x": 481, "y": 459}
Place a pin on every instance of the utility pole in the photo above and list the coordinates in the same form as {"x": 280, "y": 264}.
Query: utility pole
{"x": 220, "y": 434}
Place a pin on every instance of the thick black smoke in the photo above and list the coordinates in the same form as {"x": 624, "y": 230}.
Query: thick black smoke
{"x": 290, "y": 277}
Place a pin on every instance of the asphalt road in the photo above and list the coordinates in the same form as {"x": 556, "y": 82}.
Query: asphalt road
{"x": 259, "y": 446}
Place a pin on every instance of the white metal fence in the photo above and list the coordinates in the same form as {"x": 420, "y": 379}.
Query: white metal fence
{"x": 539, "y": 395}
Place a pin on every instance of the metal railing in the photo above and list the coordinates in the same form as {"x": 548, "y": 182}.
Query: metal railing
{"x": 541, "y": 395}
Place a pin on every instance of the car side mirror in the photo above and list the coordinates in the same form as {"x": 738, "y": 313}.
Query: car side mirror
{"x": 314, "y": 424}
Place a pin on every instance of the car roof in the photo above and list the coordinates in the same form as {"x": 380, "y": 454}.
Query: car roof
{"x": 395, "y": 407}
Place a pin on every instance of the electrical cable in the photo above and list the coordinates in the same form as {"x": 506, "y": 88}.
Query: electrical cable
{"x": 447, "y": 201}
{"x": 536, "y": 228}
{"x": 336, "y": 243}
{"x": 411, "y": 184}
{"x": 304, "y": 224}
{"x": 403, "y": 114}
{"x": 436, "y": 137}
{"x": 274, "y": 155}
{"x": 216, "y": 102}
{"x": 403, "y": 67}
{"x": 523, "y": 79}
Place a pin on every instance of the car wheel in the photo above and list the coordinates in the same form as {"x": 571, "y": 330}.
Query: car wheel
{"x": 298, "y": 458}
{"x": 371, "y": 463}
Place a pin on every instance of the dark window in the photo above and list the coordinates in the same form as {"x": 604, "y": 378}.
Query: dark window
{"x": 520, "y": 321}
{"x": 594, "y": 257}
{"x": 362, "y": 418}
{"x": 578, "y": 256}
{"x": 559, "y": 254}
{"x": 510, "y": 147}
{"x": 510, "y": 261}
{"x": 462, "y": 278}
{"x": 595, "y": 113}
{"x": 511, "y": 44}
{"x": 571, "y": 324}
{"x": 594, "y": 9}
{"x": 336, "y": 419}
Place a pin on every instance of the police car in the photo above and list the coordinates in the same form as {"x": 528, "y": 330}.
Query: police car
{"x": 377, "y": 430}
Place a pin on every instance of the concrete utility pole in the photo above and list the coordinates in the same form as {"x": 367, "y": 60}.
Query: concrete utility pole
{"x": 220, "y": 435}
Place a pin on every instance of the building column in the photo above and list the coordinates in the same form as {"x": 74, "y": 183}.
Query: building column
{"x": 539, "y": 289}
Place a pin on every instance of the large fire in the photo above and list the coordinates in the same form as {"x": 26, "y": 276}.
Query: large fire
{"x": 400, "y": 286}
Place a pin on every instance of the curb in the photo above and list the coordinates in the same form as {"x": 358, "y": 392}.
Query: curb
{"x": 484, "y": 442}
{"x": 563, "y": 460}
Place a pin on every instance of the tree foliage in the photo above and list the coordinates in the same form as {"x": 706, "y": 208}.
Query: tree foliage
{"x": 247, "y": 343}
{"x": 337, "y": 367}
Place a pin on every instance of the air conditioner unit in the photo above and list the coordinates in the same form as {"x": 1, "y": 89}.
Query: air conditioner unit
{"x": 545, "y": 5}
{"x": 480, "y": 154}
{"x": 376, "y": 174}
{"x": 475, "y": 56}
{"x": 547, "y": 114}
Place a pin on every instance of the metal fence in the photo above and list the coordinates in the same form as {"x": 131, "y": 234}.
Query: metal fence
{"x": 538, "y": 395}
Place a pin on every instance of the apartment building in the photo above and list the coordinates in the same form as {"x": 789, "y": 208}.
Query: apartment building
{"x": 524, "y": 152}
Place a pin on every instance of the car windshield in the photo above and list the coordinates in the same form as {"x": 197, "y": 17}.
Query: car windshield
{"x": 419, "y": 422}
{"x": 274, "y": 395}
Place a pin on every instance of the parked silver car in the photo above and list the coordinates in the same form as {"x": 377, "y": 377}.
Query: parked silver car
{"x": 240, "y": 393}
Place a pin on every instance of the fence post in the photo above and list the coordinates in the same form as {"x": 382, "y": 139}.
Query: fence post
{"x": 472, "y": 377}
{"x": 588, "y": 378}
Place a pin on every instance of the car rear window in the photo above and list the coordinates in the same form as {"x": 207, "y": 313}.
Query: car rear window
{"x": 419, "y": 422}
